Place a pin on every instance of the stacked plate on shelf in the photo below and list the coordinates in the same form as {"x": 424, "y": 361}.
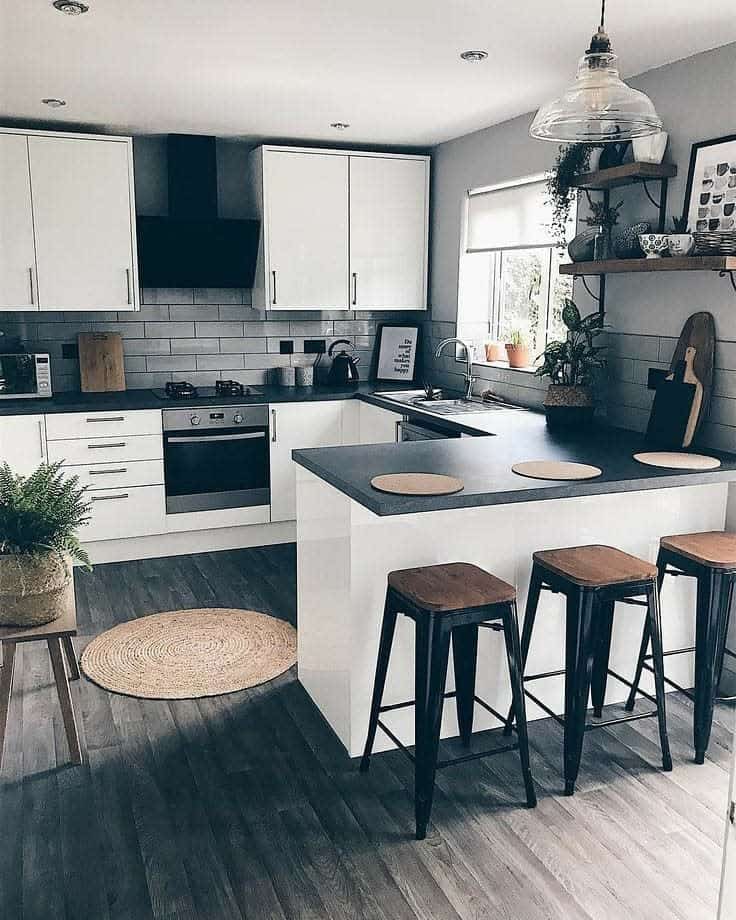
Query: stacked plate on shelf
{"x": 716, "y": 243}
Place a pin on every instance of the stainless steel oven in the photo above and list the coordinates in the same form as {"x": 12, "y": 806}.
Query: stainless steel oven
{"x": 216, "y": 457}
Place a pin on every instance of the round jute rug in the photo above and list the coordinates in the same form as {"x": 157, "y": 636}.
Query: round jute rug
{"x": 187, "y": 654}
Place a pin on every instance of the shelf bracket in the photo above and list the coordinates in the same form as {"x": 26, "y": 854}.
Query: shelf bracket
{"x": 649, "y": 194}
{"x": 600, "y": 297}
{"x": 724, "y": 272}
{"x": 587, "y": 195}
{"x": 660, "y": 205}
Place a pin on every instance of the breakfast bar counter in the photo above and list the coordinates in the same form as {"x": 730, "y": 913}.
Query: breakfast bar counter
{"x": 350, "y": 536}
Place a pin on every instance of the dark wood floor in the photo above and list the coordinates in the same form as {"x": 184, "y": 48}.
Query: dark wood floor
{"x": 246, "y": 806}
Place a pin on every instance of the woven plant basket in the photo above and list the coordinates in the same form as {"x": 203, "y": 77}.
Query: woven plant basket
{"x": 569, "y": 406}
{"x": 35, "y": 589}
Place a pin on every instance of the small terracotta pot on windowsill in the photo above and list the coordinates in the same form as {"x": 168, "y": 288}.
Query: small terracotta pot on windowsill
{"x": 495, "y": 352}
{"x": 518, "y": 355}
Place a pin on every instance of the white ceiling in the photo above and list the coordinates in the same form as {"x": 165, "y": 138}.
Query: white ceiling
{"x": 287, "y": 68}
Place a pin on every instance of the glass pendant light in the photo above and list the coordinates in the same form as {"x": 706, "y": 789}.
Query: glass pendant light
{"x": 599, "y": 108}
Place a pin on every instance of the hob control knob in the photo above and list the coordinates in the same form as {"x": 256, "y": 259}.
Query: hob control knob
{"x": 238, "y": 418}
{"x": 195, "y": 419}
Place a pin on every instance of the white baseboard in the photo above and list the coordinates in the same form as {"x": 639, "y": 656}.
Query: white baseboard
{"x": 201, "y": 541}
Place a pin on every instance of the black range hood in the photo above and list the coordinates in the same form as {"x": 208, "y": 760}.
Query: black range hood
{"x": 193, "y": 247}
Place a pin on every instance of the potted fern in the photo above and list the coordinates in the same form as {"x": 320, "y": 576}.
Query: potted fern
{"x": 39, "y": 518}
{"x": 570, "y": 365}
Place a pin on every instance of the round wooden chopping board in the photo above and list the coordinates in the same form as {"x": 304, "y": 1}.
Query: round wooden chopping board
{"x": 672, "y": 460}
{"x": 555, "y": 469}
{"x": 417, "y": 484}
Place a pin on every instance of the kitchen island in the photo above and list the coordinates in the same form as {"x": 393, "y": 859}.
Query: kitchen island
{"x": 349, "y": 537}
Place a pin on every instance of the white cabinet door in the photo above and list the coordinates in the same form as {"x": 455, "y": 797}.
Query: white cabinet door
{"x": 17, "y": 253}
{"x": 83, "y": 217}
{"x": 307, "y": 226}
{"x": 727, "y": 898}
{"x": 22, "y": 442}
{"x": 293, "y": 426}
{"x": 388, "y": 233}
{"x": 378, "y": 426}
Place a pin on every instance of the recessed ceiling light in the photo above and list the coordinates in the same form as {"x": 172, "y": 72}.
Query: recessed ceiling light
{"x": 473, "y": 57}
{"x": 54, "y": 103}
{"x": 71, "y": 7}
{"x": 339, "y": 125}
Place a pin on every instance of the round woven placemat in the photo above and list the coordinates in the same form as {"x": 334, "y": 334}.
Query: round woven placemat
{"x": 417, "y": 484}
{"x": 555, "y": 469}
{"x": 672, "y": 460}
{"x": 187, "y": 654}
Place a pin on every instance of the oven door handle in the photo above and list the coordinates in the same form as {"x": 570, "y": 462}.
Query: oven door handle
{"x": 203, "y": 439}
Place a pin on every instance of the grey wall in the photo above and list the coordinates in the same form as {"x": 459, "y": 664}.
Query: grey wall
{"x": 696, "y": 101}
{"x": 204, "y": 334}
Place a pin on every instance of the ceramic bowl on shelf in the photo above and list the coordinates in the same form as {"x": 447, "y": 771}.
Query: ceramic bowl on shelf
{"x": 680, "y": 244}
{"x": 650, "y": 149}
{"x": 653, "y": 244}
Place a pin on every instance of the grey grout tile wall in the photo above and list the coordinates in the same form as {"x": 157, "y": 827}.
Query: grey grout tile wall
{"x": 199, "y": 334}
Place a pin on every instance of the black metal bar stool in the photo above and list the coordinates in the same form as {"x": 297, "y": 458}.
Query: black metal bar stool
{"x": 447, "y": 601}
{"x": 711, "y": 559}
{"x": 593, "y": 578}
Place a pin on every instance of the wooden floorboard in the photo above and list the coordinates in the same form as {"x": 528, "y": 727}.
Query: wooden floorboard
{"x": 246, "y": 806}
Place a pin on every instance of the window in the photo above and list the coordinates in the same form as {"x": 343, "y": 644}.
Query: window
{"x": 509, "y": 277}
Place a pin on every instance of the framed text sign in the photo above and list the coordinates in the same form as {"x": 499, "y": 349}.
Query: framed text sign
{"x": 397, "y": 351}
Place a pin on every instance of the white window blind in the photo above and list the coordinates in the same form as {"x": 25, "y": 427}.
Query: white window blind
{"x": 509, "y": 217}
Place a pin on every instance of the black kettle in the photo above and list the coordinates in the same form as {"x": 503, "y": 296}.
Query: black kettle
{"x": 344, "y": 368}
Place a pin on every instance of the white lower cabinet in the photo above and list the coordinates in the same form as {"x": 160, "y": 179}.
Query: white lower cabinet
{"x": 295, "y": 426}
{"x": 125, "y": 512}
{"x": 22, "y": 442}
{"x": 376, "y": 425}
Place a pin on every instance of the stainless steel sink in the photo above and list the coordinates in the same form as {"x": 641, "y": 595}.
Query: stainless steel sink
{"x": 418, "y": 399}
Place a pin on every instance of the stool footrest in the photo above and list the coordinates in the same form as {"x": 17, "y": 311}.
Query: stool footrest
{"x": 544, "y": 674}
{"x": 441, "y": 764}
{"x": 392, "y": 706}
{"x": 689, "y": 694}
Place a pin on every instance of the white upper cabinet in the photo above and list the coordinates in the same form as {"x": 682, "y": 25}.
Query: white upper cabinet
{"x": 83, "y": 212}
{"x": 388, "y": 232}
{"x": 17, "y": 252}
{"x": 307, "y": 225}
{"x": 342, "y": 230}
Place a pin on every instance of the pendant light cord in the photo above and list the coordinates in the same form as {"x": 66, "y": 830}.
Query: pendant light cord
{"x": 603, "y": 15}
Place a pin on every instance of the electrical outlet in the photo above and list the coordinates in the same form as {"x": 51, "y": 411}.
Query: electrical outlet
{"x": 70, "y": 350}
{"x": 314, "y": 346}
{"x": 655, "y": 376}
{"x": 286, "y": 347}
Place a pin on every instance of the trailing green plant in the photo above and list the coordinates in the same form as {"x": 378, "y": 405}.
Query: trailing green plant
{"x": 41, "y": 513}
{"x": 601, "y": 216}
{"x": 571, "y": 161}
{"x": 679, "y": 224}
{"x": 573, "y": 360}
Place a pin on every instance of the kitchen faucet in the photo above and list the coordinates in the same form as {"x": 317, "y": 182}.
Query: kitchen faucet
{"x": 468, "y": 376}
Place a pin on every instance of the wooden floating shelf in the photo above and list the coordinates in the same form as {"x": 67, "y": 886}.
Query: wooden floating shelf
{"x": 628, "y": 174}
{"x": 627, "y": 266}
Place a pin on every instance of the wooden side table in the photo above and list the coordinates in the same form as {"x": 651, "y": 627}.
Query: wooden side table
{"x": 58, "y": 637}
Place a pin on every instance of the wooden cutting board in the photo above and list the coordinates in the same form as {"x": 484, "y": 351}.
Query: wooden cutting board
{"x": 671, "y": 411}
{"x": 699, "y": 332}
{"x": 101, "y": 367}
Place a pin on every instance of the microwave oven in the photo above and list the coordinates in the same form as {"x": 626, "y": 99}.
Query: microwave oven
{"x": 24, "y": 376}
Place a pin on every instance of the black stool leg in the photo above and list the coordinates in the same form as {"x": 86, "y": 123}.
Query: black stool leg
{"x": 384, "y": 652}
{"x": 432, "y": 653}
{"x": 711, "y": 610}
{"x": 464, "y": 658}
{"x": 513, "y": 653}
{"x": 655, "y": 629}
{"x": 729, "y": 581}
{"x": 579, "y": 651}
{"x": 604, "y": 628}
{"x": 530, "y": 613}
{"x": 646, "y": 634}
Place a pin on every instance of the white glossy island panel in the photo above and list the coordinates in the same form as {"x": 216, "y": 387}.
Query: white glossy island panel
{"x": 344, "y": 553}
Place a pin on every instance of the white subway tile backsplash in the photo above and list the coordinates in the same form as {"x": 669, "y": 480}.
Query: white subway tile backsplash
{"x": 167, "y": 295}
{"x": 177, "y": 363}
{"x": 198, "y": 312}
{"x": 641, "y": 347}
{"x": 156, "y": 312}
{"x": 220, "y": 329}
{"x": 311, "y": 329}
{"x": 219, "y": 362}
{"x": 219, "y": 296}
{"x": 195, "y": 346}
{"x": 169, "y": 330}
{"x": 243, "y": 346}
{"x": 147, "y": 346}
{"x": 354, "y": 327}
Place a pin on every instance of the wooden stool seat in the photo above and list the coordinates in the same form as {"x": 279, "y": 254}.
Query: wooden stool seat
{"x": 450, "y": 587}
{"x": 714, "y": 548}
{"x": 595, "y": 566}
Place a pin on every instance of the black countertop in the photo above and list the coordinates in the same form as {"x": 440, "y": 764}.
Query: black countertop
{"x": 484, "y": 465}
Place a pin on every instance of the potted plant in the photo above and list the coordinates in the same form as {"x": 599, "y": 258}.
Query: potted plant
{"x": 604, "y": 219}
{"x": 495, "y": 351}
{"x": 572, "y": 160}
{"x": 517, "y": 350}
{"x": 39, "y": 517}
{"x": 681, "y": 241}
{"x": 570, "y": 365}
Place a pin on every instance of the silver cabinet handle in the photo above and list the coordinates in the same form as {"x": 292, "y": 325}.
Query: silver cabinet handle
{"x": 109, "y": 498}
{"x": 104, "y": 446}
{"x": 41, "y": 440}
{"x": 206, "y": 439}
{"x": 30, "y": 279}
{"x": 273, "y": 277}
{"x": 398, "y": 430}
{"x": 273, "y": 426}
{"x": 122, "y": 469}
{"x": 355, "y": 289}
{"x": 115, "y": 418}
{"x": 129, "y": 286}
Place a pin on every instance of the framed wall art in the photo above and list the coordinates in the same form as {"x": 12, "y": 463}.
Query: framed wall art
{"x": 710, "y": 194}
{"x": 397, "y": 355}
